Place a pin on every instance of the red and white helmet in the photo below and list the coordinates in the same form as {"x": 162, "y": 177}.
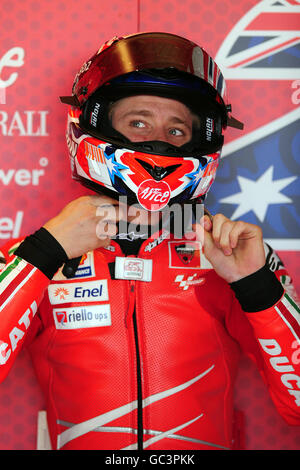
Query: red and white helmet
{"x": 154, "y": 174}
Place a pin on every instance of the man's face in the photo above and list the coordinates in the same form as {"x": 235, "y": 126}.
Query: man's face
{"x": 145, "y": 118}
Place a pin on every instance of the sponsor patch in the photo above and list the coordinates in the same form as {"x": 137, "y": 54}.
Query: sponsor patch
{"x": 82, "y": 317}
{"x": 153, "y": 195}
{"x": 185, "y": 252}
{"x": 157, "y": 241}
{"x": 185, "y": 282}
{"x": 187, "y": 255}
{"x": 133, "y": 268}
{"x": 92, "y": 291}
{"x": 86, "y": 266}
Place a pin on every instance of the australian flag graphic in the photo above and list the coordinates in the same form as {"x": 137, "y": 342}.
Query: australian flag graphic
{"x": 258, "y": 177}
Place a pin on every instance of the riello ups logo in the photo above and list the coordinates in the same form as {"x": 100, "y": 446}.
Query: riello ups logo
{"x": 29, "y": 123}
{"x": 75, "y": 317}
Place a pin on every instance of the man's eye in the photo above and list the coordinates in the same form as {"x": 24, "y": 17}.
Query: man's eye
{"x": 138, "y": 124}
{"x": 176, "y": 132}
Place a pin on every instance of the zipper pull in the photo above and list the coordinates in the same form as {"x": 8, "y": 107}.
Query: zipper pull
{"x": 131, "y": 303}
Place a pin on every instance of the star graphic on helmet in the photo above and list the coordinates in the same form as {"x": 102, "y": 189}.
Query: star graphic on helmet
{"x": 257, "y": 195}
{"x": 114, "y": 167}
{"x": 195, "y": 176}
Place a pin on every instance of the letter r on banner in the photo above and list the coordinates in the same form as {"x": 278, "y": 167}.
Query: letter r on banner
{"x": 2, "y": 95}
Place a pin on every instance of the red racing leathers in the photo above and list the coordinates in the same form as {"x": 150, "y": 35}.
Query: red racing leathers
{"x": 144, "y": 349}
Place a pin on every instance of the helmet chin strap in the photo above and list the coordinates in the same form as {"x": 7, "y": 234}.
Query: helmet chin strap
{"x": 233, "y": 122}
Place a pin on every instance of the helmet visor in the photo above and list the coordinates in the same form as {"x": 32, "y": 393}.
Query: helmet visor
{"x": 146, "y": 51}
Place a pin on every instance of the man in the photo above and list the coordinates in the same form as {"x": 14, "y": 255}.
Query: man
{"x": 137, "y": 346}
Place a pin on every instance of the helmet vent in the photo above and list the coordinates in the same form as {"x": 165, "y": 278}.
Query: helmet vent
{"x": 158, "y": 172}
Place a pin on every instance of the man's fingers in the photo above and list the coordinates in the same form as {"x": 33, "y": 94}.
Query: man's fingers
{"x": 224, "y": 240}
{"x": 238, "y": 229}
{"x": 106, "y": 229}
{"x": 225, "y": 233}
{"x": 112, "y": 213}
{"x": 217, "y": 223}
{"x": 109, "y": 216}
{"x": 207, "y": 223}
{"x": 98, "y": 200}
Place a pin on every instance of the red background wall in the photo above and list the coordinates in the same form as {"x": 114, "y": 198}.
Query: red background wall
{"x": 57, "y": 37}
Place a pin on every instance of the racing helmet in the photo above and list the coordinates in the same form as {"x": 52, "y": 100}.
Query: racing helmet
{"x": 153, "y": 174}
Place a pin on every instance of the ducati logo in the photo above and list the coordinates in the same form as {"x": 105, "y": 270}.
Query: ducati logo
{"x": 185, "y": 253}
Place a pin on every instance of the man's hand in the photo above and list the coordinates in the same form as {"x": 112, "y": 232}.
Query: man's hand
{"x": 86, "y": 223}
{"x": 235, "y": 249}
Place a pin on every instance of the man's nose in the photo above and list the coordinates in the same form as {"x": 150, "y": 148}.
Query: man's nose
{"x": 161, "y": 135}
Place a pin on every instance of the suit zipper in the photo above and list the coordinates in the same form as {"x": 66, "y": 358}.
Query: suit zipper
{"x": 132, "y": 314}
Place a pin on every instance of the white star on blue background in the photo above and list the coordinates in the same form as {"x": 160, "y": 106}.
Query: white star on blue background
{"x": 257, "y": 195}
{"x": 195, "y": 177}
{"x": 114, "y": 167}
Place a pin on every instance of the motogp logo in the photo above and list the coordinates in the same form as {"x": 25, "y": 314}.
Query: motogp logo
{"x": 153, "y": 195}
